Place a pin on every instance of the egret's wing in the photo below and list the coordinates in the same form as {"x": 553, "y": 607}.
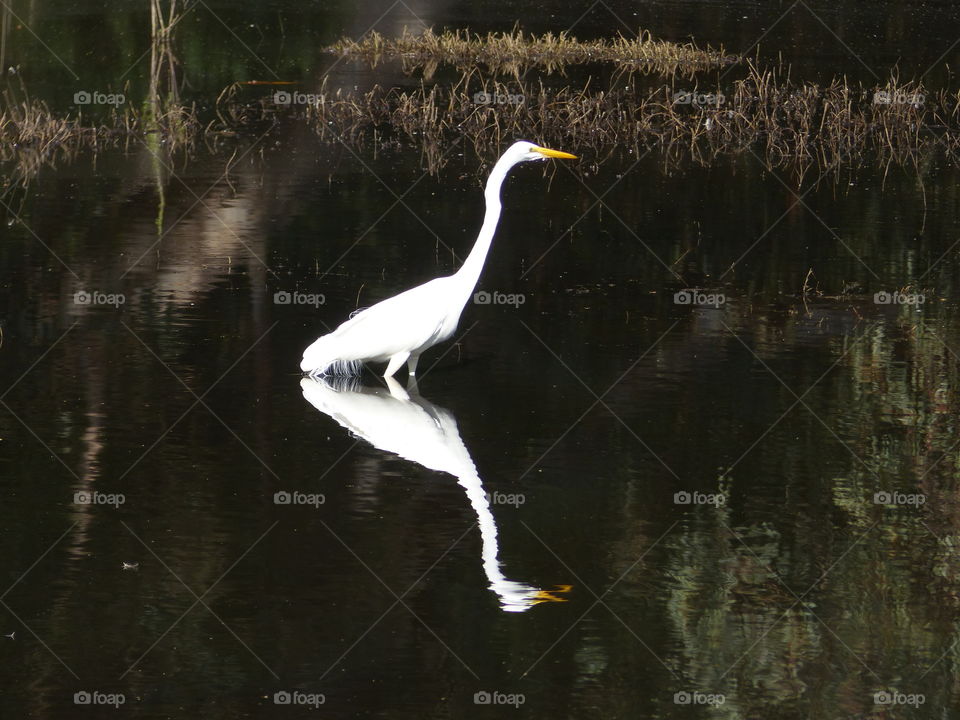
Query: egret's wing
{"x": 401, "y": 323}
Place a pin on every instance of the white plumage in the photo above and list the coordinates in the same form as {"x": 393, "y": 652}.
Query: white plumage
{"x": 400, "y": 328}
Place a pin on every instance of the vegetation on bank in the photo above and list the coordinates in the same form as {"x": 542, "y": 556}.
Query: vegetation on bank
{"x": 700, "y": 112}
{"x": 515, "y": 50}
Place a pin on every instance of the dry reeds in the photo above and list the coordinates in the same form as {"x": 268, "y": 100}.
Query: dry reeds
{"x": 780, "y": 119}
{"x": 29, "y": 123}
{"x": 763, "y": 111}
{"x": 512, "y": 51}
{"x": 33, "y": 136}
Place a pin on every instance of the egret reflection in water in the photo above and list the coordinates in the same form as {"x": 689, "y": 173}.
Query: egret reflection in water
{"x": 404, "y": 423}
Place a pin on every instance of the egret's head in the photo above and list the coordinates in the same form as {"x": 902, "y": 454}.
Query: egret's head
{"x": 524, "y": 151}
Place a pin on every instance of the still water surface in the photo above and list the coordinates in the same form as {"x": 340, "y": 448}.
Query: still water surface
{"x": 599, "y": 502}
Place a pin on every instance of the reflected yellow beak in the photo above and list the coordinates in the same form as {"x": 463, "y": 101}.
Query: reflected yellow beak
{"x": 547, "y": 152}
{"x": 548, "y": 596}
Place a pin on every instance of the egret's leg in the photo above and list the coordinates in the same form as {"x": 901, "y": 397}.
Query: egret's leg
{"x": 395, "y": 362}
{"x": 412, "y": 388}
{"x": 412, "y": 365}
{"x": 395, "y": 390}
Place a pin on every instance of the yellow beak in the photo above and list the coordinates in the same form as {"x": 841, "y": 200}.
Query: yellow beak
{"x": 547, "y": 152}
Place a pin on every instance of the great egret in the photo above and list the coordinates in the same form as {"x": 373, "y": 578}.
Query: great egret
{"x": 400, "y": 328}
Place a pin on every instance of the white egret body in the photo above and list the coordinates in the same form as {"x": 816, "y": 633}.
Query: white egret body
{"x": 400, "y": 328}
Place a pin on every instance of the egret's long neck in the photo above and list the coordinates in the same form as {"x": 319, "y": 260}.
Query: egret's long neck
{"x": 472, "y": 267}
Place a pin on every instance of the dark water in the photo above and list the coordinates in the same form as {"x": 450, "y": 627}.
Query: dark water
{"x": 602, "y": 502}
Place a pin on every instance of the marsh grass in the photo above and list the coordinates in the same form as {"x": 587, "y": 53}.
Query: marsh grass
{"x": 33, "y": 136}
{"x": 763, "y": 111}
{"x": 29, "y": 123}
{"x": 514, "y": 51}
{"x": 774, "y": 117}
